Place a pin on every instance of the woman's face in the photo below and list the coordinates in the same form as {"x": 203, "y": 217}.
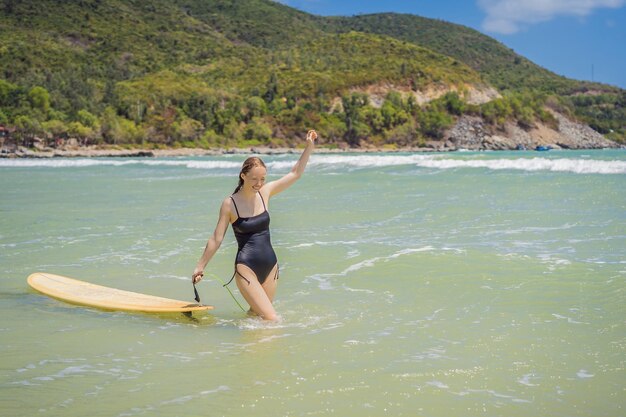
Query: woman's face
{"x": 255, "y": 178}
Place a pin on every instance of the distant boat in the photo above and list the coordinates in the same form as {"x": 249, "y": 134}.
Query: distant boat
{"x": 543, "y": 148}
{"x": 520, "y": 147}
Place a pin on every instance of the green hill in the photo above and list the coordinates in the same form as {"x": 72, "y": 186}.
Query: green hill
{"x": 600, "y": 105}
{"x": 262, "y": 23}
{"x": 498, "y": 64}
{"x": 247, "y": 72}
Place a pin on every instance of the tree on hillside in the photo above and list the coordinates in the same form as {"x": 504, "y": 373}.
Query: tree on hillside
{"x": 352, "y": 106}
{"x": 271, "y": 91}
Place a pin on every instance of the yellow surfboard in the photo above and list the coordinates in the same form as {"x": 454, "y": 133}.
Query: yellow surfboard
{"x": 84, "y": 293}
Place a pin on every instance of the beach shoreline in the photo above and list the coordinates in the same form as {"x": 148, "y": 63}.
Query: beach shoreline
{"x": 106, "y": 152}
{"x": 116, "y": 152}
{"x": 469, "y": 133}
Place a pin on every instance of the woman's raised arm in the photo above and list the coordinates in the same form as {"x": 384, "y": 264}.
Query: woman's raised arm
{"x": 296, "y": 172}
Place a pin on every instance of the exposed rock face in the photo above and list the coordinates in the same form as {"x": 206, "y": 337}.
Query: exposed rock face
{"x": 480, "y": 95}
{"x": 577, "y": 136}
{"x": 468, "y": 133}
{"x": 472, "y": 94}
{"x": 472, "y": 133}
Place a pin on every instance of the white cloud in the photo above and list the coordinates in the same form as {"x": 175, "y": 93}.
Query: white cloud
{"x": 509, "y": 16}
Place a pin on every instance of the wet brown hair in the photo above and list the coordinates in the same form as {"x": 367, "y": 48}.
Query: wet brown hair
{"x": 248, "y": 164}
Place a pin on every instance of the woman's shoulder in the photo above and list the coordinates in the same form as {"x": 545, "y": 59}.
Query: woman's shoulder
{"x": 265, "y": 192}
{"x": 227, "y": 203}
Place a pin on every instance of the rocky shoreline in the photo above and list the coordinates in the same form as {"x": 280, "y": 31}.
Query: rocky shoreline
{"x": 469, "y": 133}
{"x": 472, "y": 133}
{"x": 108, "y": 152}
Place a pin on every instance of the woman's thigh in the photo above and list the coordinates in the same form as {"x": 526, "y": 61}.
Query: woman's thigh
{"x": 254, "y": 293}
{"x": 270, "y": 283}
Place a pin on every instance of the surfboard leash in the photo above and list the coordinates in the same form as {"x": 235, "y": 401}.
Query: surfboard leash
{"x": 197, "y": 296}
{"x": 229, "y": 291}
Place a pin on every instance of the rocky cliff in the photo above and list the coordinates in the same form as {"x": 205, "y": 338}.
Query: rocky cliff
{"x": 473, "y": 133}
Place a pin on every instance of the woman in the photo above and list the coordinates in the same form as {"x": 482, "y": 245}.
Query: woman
{"x": 256, "y": 266}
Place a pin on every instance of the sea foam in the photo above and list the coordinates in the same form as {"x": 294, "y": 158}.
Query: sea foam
{"x": 92, "y": 162}
{"x": 577, "y": 166}
{"x": 341, "y": 162}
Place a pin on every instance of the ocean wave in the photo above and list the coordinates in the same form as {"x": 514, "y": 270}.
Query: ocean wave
{"x": 89, "y": 162}
{"x": 371, "y": 262}
{"x": 578, "y": 166}
{"x": 324, "y": 281}
{"x": 317, "y": 160}
{"x": 322, "y": 243}
{"x": 366, "y": 161}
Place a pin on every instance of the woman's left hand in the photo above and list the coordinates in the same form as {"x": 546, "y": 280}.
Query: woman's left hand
{"x": 197, "y": 276}
{"x": 311, "y": 136}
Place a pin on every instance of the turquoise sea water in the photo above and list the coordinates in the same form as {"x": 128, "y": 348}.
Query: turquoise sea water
{"x": 462, "y": 284}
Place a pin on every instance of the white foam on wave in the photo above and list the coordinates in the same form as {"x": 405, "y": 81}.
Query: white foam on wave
{"x": 371, "y": 262}
{"x": 528, "y": 380}
{"x": 178, "y": 401}
{"x": 317, "y": 160}
{"x": 371, "y": 160}
{"x": 584, "y": 374}
{"x": 437, "y": 384}
{"x": 294, "y": 320}
{"x": 353, "y": 161}
{"x": 578, "y": 166}
{"x": 324, "y": 280}
{"x": 322, "y": 243}
{"x": 89, "y": 162}
{"x": 569, "y": 319}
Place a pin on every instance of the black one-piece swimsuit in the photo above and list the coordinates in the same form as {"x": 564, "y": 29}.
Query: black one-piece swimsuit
{"x": 255, "y": 247}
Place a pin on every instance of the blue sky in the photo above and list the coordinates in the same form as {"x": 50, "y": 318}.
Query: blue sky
{"x": 579, "y": 39}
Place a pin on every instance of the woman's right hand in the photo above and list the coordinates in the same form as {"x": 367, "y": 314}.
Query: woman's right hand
{"x": 197, "y": 276}
{"x": 311, "y": 135}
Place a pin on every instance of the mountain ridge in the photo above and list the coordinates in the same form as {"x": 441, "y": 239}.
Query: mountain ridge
{"x": 214, "y": 73}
